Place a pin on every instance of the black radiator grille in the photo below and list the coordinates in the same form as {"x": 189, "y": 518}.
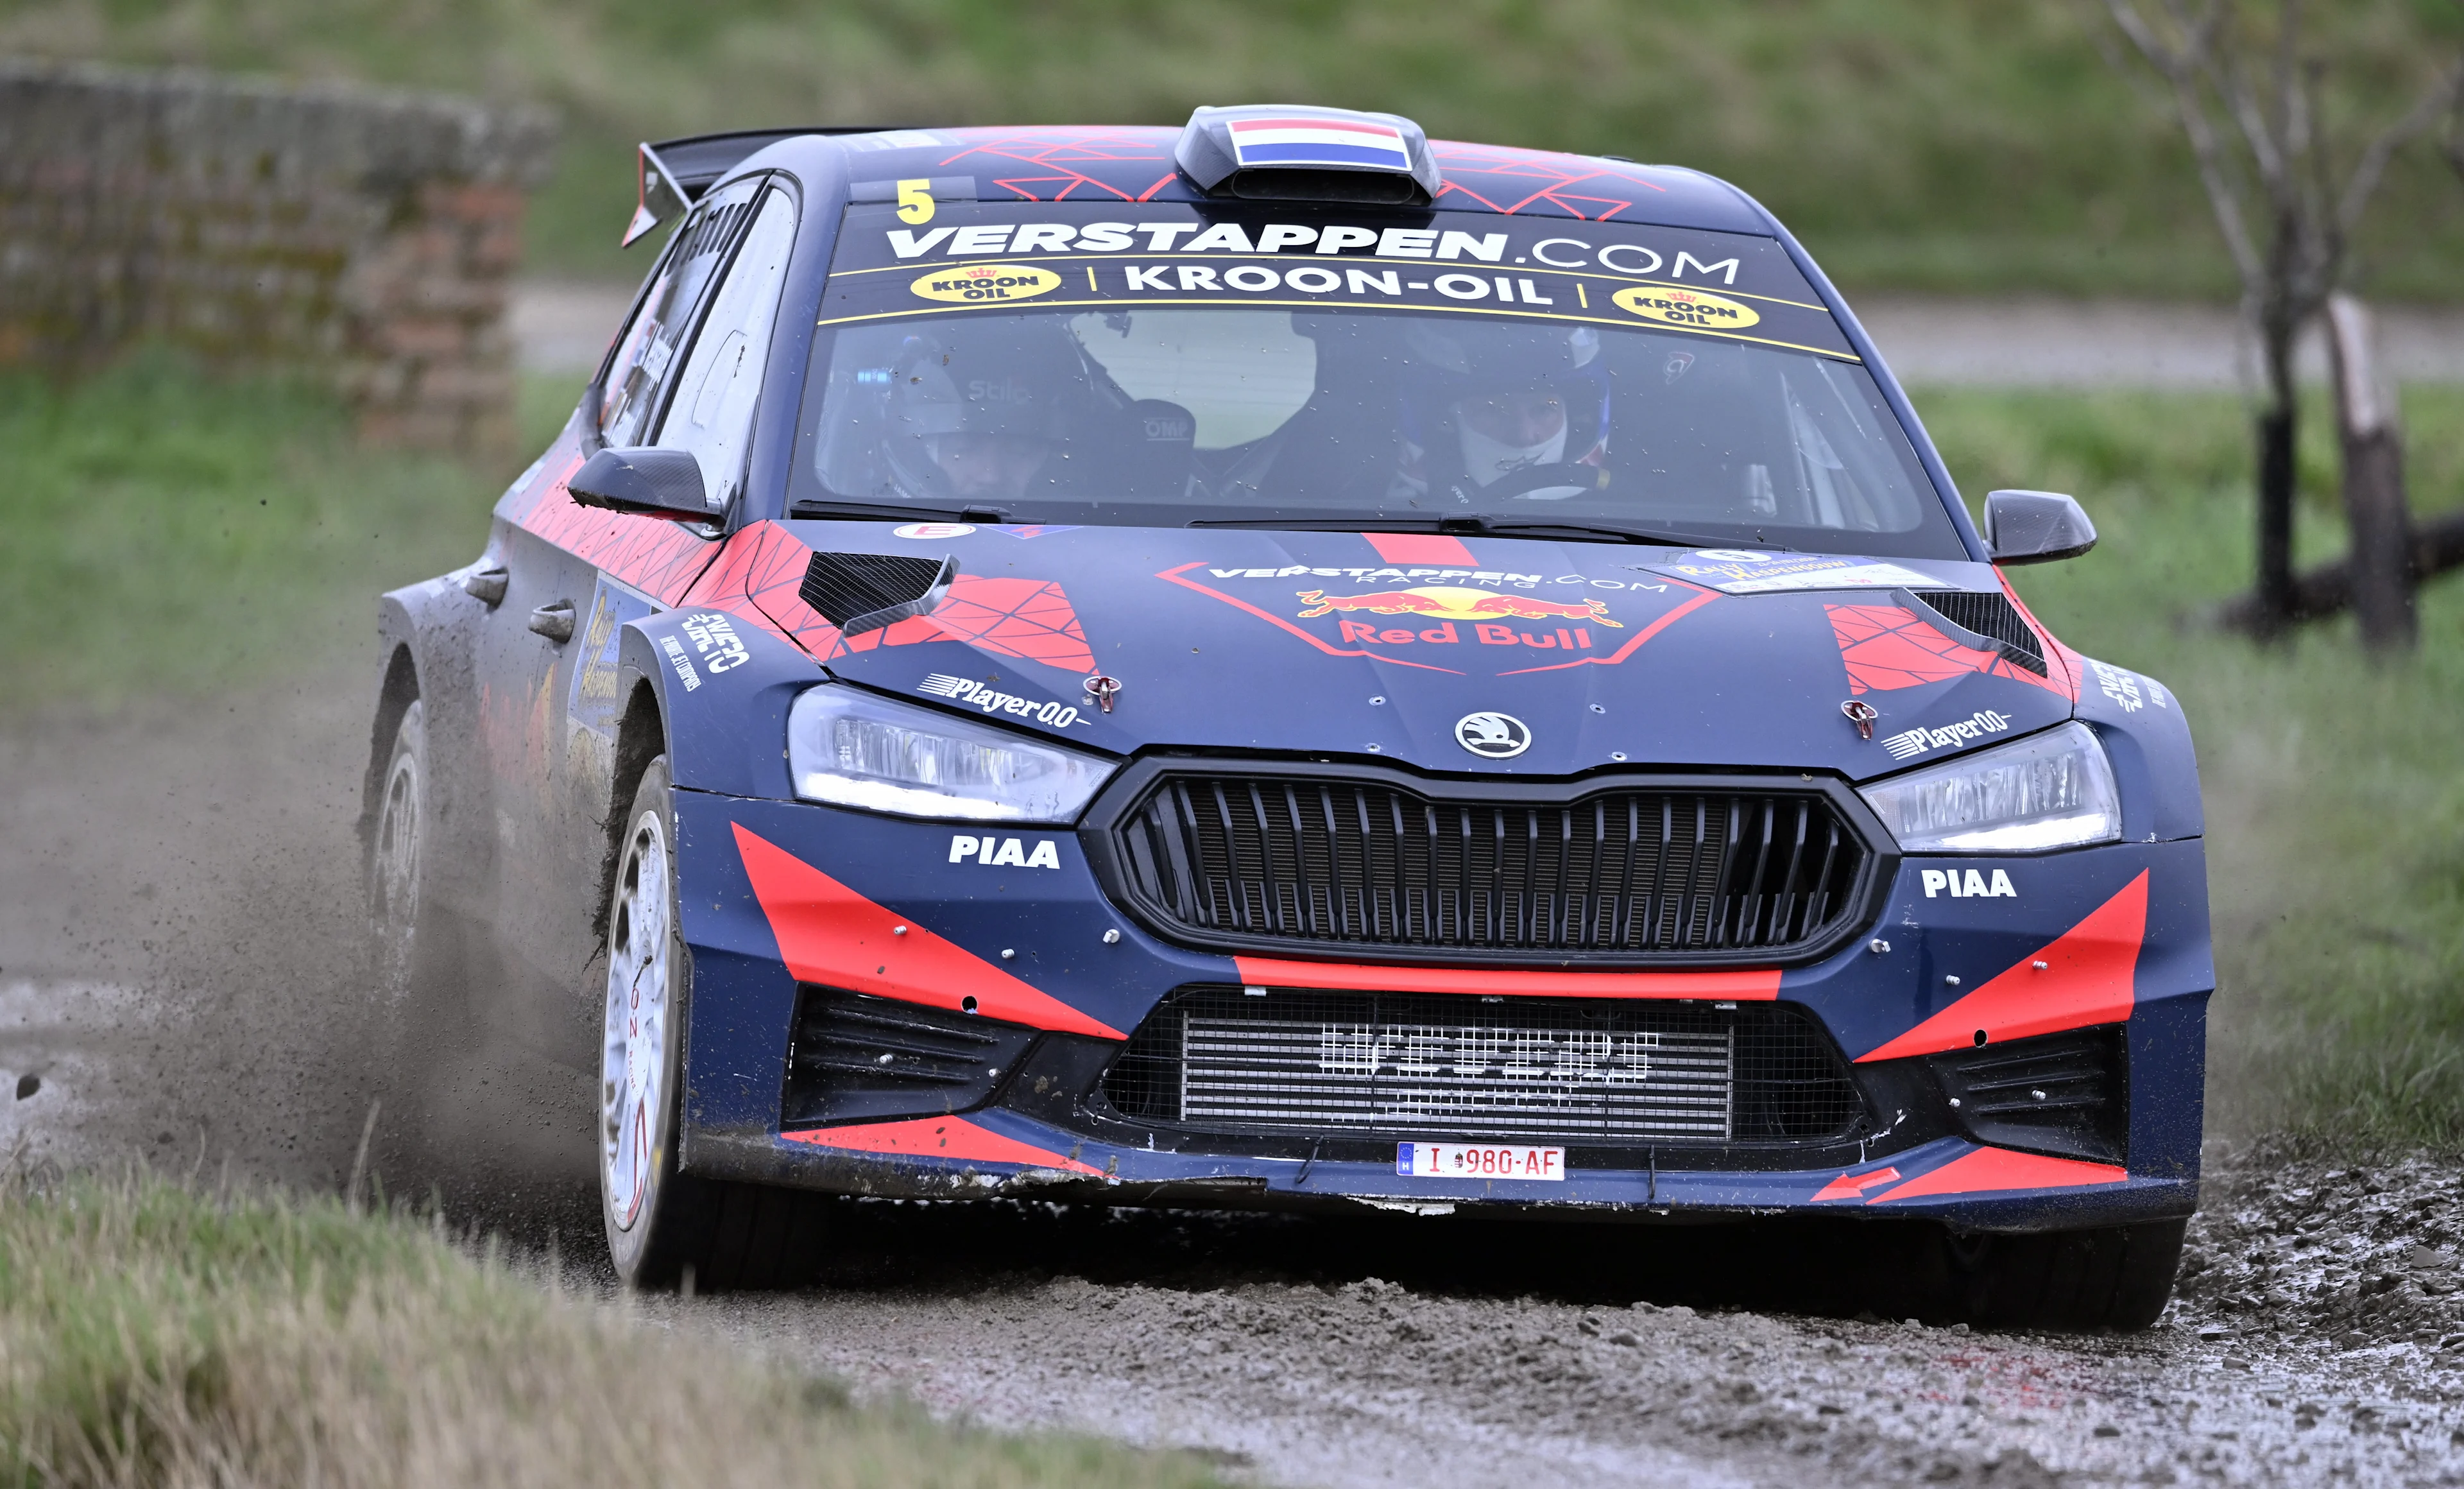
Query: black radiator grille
{"x": 1259, "y": 861}
{"x": 1989, "y": 616}
{"x": 1614, "y": 1073}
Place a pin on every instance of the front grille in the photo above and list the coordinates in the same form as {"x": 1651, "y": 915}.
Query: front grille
{"x": 1264, "y": 860}
{"x": 853, "y": 1058}
{"x": 1992, "y": 616}
{"x": 2057, "y": 1094}
{"x": 1614, "y": 1073}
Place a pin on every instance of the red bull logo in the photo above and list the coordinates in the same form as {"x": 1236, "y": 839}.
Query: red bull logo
{"x": 1452, "y": 603}
{"x": 1482, "y": 609}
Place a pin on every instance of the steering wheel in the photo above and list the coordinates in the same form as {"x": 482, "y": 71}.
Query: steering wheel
{"x": 1523, "y": 481}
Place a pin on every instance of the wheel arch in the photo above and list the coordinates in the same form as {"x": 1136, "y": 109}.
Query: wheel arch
{"x": 641, "y": 737}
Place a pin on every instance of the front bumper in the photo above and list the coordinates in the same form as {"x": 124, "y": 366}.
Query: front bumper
{"x": 780, "y": 897}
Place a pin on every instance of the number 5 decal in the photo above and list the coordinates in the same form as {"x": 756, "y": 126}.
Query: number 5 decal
{"x": 916, "y": 201}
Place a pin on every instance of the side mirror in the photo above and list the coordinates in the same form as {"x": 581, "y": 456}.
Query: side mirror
{"x": 657, "y": 481}
{"x": 2035, "y": 526}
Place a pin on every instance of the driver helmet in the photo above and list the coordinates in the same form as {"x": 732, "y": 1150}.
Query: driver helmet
{"x": 977, "y": 412}
{"x": 1470, "y": 403}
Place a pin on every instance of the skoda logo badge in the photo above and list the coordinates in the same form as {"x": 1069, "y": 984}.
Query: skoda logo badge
{"x": 1492, "y": 736}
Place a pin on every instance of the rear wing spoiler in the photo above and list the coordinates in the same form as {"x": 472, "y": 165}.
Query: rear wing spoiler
{"x": 672, "y": 174}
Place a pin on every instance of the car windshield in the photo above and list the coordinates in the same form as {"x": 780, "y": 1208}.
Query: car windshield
{"x": 1090, "y": 382}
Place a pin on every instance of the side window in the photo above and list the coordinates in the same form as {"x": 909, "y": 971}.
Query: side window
{"x": 638, "y": 376}
{"x": 712, "y": 412}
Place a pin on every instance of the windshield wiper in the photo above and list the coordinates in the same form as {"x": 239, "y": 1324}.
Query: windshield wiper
{"x": 1483, "y": 527}
{"x": 894, "y": 511}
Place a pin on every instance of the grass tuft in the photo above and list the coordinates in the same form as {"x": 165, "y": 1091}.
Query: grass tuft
{"x": 154, "y": 1334}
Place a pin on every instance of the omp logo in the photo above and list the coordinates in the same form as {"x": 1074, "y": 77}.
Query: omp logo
{"x": 1969, "y": 884}
{"x": 979, "y": 284}
{"x": 967, "y": 689}
{"x": 1685, "y": 307}
{"x": 1975, "y": 727}
{"x": 999, "y": 851}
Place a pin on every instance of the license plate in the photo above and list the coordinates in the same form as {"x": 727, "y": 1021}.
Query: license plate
{"x": 1480, "y": 1160}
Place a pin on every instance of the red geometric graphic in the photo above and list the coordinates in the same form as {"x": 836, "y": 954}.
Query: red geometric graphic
{"x": 2068, "y": 667}
{"x": 653, "y": 555}
{"x": 1064, "y": 162}
{"x": 1852, "y": 1185}
{"x": 1042, "y": 165}
{"x": 1029, "y": 620}
{"x": 830, "y": 934}
{"x": 1886, "y": 646}
{"x": 757, "y": 578}
{"x": 2087, "y": 976}
{"x": 1992, "y": 1169}
{"x": 1506, "y": 180}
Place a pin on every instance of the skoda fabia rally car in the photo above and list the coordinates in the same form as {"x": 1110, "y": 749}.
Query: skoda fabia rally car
{"x": 1286, "y": 664}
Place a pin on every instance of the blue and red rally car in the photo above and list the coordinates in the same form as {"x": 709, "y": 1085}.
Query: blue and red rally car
{"x": 1288, "y": 664}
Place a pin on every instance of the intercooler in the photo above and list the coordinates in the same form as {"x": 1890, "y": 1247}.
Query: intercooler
{"x": 1608, "y": 1073}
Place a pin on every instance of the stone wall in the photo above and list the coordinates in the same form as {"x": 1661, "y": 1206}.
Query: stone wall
{"x": 366, "y": 238}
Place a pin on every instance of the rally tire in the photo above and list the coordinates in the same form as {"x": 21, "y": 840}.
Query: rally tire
{"x": 414, "y": 947}
{"x": 666, "y": 1227}
{"x": 2111, "y": 1277}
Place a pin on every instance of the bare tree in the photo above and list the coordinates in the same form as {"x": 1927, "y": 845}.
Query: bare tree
{"x": 2287, "y": 191}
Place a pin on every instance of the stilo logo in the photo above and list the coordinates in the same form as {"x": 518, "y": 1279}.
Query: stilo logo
{"x": 1492, "y": 736}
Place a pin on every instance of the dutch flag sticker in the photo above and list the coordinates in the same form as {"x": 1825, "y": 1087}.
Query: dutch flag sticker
{"x": 1319, "y": 142}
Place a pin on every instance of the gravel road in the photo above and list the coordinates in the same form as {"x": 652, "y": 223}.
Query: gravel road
{"x": 174, "y": 907}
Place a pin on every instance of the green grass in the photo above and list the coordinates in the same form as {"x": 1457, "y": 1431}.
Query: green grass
{"x": 2334, "y": 799}
{"x": 1940, "y": 144}
{"x": 153, "y": 1334}
{"x": 173, "y": 536}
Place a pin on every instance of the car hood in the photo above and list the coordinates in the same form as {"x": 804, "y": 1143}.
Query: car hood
{"x": 1382, "y": 645}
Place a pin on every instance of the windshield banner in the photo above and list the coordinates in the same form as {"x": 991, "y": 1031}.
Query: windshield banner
{"x": 929, "y": 257}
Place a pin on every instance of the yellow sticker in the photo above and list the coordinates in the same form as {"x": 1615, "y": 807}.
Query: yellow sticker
{"x": 1685, "y": 307}
{"x": 985, "y": 283}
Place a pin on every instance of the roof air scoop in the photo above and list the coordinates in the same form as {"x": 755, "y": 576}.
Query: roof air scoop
{"x": 1296, "y": 153}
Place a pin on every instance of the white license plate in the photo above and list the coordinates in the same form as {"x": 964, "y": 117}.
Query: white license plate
{"x": 1480, "y": 1160}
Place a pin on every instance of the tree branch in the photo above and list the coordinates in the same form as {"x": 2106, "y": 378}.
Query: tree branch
{"x": 2181, "y": 68}
{"x": 2442, "y": 97}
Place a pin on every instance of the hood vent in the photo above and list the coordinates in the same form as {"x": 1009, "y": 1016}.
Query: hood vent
{"x": 866, "y": 591}
{"x": 1991, "y": 623}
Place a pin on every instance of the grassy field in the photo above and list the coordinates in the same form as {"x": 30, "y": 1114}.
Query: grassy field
{"x": 176, "y": 537}
{"x": 2334, "y": 800}
{"x": 151, "y": 1334}
{"x": 1939, "y": 144}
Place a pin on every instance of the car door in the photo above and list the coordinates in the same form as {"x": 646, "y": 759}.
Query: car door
{"x": 575, "y": 576}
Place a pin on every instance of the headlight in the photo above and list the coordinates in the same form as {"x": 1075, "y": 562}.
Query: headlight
{"x": 853, "y": 749}
{"x": 2053, "y": 789}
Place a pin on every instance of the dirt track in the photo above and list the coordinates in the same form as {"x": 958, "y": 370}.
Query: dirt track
{"x": 176, "y": 898}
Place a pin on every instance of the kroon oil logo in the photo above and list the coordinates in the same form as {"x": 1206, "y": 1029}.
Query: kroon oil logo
{"x": 1672, "y": 306}
{"x": 986, "y": 283}
{"x": 1489, "y": 618}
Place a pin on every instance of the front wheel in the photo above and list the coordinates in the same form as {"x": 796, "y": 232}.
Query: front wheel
{"x": 663, "y": 1224}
